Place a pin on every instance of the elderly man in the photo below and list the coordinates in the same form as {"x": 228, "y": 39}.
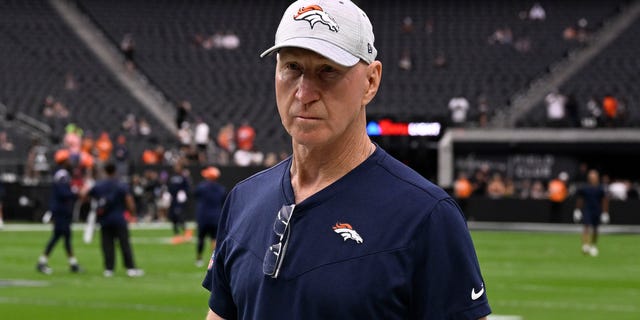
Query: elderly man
{"x": 340, "y": 230}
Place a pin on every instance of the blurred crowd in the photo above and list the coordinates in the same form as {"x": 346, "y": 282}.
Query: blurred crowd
{"x": 495, "y": 185}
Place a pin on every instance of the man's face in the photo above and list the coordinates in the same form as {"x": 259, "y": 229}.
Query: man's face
{"x": 320, "y": 101}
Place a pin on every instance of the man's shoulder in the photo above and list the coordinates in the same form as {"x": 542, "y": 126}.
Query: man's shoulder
{"x": 258, "y": 191}
{"x": 268, "y": 177}
{"x": 408, "y": 180}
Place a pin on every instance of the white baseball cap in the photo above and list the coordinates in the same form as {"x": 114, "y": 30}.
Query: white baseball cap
{"x": 335, "y": 29}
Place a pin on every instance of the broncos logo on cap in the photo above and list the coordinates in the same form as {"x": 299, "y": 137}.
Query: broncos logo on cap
{"x": 347, "y": 232}
{"x": 315, "y": 14}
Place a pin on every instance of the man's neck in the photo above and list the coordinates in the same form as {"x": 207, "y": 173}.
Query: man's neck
{"x": 315, "y": 168}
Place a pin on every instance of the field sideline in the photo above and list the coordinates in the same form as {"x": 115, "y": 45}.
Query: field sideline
{"x": 529, "y": 275}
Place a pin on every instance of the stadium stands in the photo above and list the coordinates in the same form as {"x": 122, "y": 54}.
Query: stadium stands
{"x": 39, "y": 51}
{"x": 461, "y": 31}
{"x": 222, "y": 85}
{"x": 217, "y": 81}
{"x": 231, "y": 85}
{"x": 614, "y": 71}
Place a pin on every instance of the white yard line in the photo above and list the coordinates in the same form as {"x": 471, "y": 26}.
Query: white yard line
{"x": 22, "y": 283}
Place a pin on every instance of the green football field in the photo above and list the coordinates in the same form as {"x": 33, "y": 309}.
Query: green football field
{"x": 528, "y": 276}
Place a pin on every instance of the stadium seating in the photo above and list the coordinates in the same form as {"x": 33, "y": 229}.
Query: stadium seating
{"x": 460, "y": 30}
{"x": 38, "y": 50}
{"x": 217, "y": 81}
{"x": 235, "y": 85}
{"x": 222, "y": 85}
{"x": 615, "y": 71}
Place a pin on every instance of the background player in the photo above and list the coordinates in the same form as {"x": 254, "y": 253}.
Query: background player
{"x": 113, "y": 198}
{"x": 209, "y": 196}
{"x": 592, "y": 207}
{"x": 178, "y": 187}
{"x": 63, "y": 197}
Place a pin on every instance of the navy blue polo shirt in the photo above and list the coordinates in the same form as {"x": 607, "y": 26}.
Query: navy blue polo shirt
{"x": 592, "y": 197}
{"x": 110, "y": 194}
{"x": 177, "y": 182}
{"x": 210, "y": 196}
{"x": 414, "y": 258}
{"x": 62, "y": 199}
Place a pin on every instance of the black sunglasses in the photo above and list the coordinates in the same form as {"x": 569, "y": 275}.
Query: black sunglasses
{"x": 275, "y": 253}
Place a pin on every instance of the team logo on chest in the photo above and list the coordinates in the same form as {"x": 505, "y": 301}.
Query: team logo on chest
{"x": 315, "y": 14}
{"x": 347, "y": 232}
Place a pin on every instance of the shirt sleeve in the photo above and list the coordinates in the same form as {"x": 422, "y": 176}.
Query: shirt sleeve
{"x": 448, "y": 283}
{"x": 216, "y": 279}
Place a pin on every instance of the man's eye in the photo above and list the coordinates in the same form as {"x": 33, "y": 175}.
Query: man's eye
{"x": 293, "y": 67}
{"x": 328, "y": 69}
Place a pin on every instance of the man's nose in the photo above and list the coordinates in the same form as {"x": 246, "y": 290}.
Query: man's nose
{"x": 307, "y": 90}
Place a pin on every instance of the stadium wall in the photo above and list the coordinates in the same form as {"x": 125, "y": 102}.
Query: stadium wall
{"x": 538, "y": 153}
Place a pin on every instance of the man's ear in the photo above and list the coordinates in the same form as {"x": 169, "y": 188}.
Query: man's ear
{"x": 374, "y": 76}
